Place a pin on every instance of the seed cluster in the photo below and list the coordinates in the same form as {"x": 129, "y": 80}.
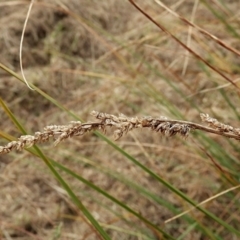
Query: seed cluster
{"x": 122, "y": 125}
{"x": 214, "y": 123}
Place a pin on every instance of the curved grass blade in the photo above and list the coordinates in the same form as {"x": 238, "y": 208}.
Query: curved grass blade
{"x": 74, "y": 198}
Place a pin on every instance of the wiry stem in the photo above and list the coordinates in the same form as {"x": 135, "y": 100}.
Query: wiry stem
{"x": 122, "y": 125}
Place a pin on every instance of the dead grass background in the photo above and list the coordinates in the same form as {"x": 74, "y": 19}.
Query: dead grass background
{"x": 92, "y": 57}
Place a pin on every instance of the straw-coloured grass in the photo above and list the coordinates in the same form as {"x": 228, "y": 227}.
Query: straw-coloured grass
{"x": 171, "y": 177}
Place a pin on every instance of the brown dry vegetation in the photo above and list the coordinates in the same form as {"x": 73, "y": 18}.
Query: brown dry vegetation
{"x": 106, "y": 56}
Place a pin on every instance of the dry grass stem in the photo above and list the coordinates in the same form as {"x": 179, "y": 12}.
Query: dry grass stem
{"x": 195, "y": 54}
{"x": 122, "y": 125}
{"x": 21, "y": 44}
{"x": 202, "y": 203}
{"x": 203, "y": 31}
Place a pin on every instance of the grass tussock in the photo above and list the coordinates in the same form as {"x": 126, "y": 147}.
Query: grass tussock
{"x": 139, "y": 58}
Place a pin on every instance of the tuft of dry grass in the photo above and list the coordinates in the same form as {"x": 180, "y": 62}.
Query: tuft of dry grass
{"x": 106, "y": 55}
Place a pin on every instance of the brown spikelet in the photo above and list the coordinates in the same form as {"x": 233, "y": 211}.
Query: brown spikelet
{"x": 214, "y": 123}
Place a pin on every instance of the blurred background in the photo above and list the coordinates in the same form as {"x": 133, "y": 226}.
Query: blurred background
{"x": 106, "y": 56}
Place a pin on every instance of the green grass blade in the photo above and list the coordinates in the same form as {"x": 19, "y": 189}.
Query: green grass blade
{"x": 93, "y": 186}
{"x": 172, "y": 188}
{"x": 74, "y": 198}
